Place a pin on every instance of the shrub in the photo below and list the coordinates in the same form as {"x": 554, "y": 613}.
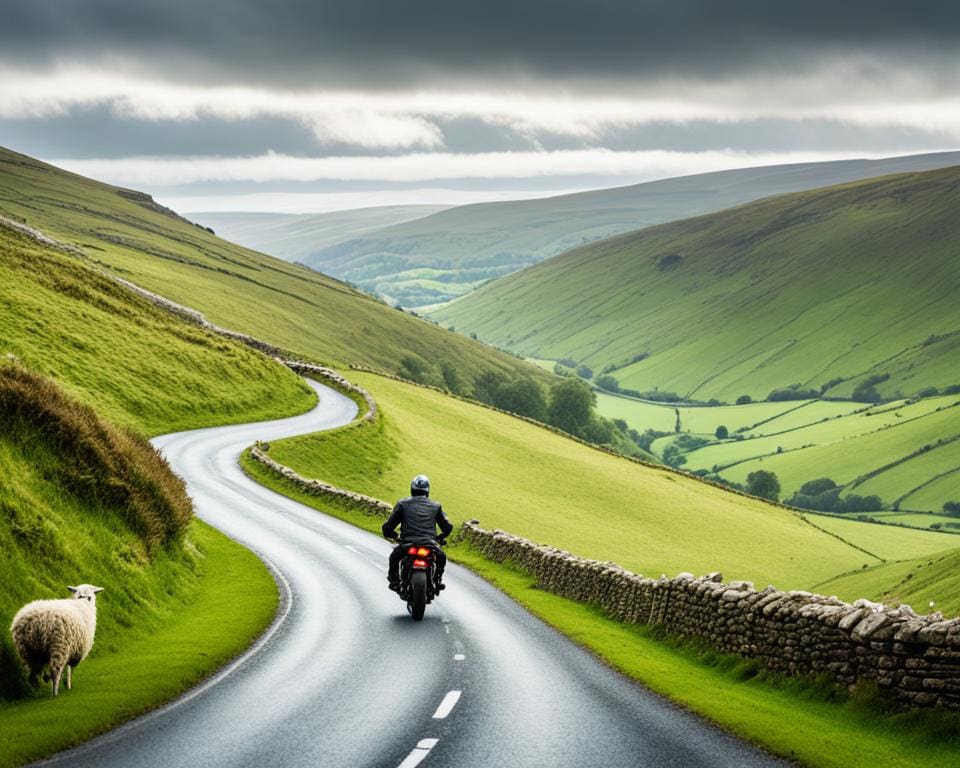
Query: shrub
{"x": 866, "y": 390}
{"x": 952, "y": 508}
{"x": 721, "y": 433}
{"x": 793, "y": 392}
{"x": 764, "y": 484}
{"x": 927, "y": 392}
{"x": 567, "y": 362}
{"x": 608, "y": 383}
{"x": 744, "y": 400}
{"x": 584, "y": 372}
{"x": 817, "y": 487}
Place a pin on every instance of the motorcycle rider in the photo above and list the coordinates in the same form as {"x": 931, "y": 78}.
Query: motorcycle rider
{"x": 418, "y": 517}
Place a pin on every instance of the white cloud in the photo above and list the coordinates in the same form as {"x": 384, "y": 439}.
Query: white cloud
{"x": 851, "y": 91}
{"x": 152, "y": 172}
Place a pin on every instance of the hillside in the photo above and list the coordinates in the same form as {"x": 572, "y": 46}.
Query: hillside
{"x": 129, "y": 235}
{"x": 823, "y": 288}
{"x": 445, "y": 255}
{"x": 540, "y": 485}
{"x": 297, "y": 237}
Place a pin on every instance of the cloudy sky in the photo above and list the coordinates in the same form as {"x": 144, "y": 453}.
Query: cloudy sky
{"x": 309, "y": 105}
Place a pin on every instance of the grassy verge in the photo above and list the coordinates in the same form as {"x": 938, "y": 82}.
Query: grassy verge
{"x": 230, "y": 599}
{"x": 808, "y": 721}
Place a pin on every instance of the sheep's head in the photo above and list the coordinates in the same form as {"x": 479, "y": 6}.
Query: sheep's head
{"x": 86, "y": 592}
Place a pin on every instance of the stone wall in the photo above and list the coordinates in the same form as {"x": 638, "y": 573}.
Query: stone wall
{"x": 366, "y": 504}
{"x": 916, "y": 659}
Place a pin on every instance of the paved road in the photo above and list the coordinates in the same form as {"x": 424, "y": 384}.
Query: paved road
{"x": 346, "y": 678}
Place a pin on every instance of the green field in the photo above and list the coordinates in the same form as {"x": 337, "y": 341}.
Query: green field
{"x": 288, "y": 305}
{"x": 887, "y": 542}
{"x": 866, "y": 447}
{"x": 471, "y": 244}
{"x": 930, "y": 583}
{"x": 822, "y": 288}
{"x": 846, "y": 460}
{"x": 537, "y": 484}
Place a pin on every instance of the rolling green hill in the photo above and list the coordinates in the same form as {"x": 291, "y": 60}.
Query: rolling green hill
{"x": 823, "y": 288}
{"x": 297, "y": 237}
{"x": 445, "y": 255}
{"x": 128, "y": 234}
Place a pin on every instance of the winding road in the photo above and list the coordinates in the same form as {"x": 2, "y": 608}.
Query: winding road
{"x": 345, "y": 678}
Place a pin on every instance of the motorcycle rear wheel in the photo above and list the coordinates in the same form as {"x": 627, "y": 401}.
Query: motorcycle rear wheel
{"x": 418, "y": 594}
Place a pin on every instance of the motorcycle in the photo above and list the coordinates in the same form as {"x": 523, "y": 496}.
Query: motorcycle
{"x": 417, "y": 579}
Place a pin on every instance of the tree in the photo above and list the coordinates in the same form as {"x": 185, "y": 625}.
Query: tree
{"x": 722, "y": 433}
{"x": 817, "y": 487}
{"x": 744, "y": 400}
{"x": 952, "y": 508}
{"x": 764, "y": 484}
{"x": 584, "y": 372}
{"x": 523, "y": 396}
{"x": 451, "y": 379}
{"x": 866, "y": 390}
{"x": 571, "y": 406}
{"x": 487, "y": 385}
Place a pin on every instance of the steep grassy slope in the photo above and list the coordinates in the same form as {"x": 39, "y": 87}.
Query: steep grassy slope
{"x": 537, "y": 484}
{"x": 298, "y": 237}
{"x": 142, "y": 367}
{"x": 445, "y": 255}
{"x": 83, "y": 501}
{"x": 917, "y": 582}
{"x": 823, "y": 288}
{"x": 285, "y": 304}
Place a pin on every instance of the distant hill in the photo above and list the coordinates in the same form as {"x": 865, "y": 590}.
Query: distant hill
{"x": 126, "y": 233}
{"x": 825, "y": 288}
{"x": 445, "y": 255}
{"x": 297, "y": 237}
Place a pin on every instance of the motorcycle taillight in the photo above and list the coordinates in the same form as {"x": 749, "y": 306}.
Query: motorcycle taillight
{"x": 419, "y": 563}
{"x": 421, "y": 551}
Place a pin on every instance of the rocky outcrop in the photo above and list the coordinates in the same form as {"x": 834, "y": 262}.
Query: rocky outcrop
{"x": 916, "y": 659}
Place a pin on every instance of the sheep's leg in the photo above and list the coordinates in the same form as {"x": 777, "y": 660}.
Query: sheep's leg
{"x": 56, "y": 680}
{"x": 69, "y": 677}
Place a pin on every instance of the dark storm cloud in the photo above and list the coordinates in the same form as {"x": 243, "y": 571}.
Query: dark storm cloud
{"x": 366, "y": 43}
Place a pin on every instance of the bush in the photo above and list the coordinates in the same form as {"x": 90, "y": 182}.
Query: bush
{"x": 952, "y": 508}
{"x": 793, "y": 392}
{"x": 816, "y": 487}
{"x": 584, "y": 372}
{"x": 927, "y": 392}
{"x": 608, "y": 383}
{"x": 764, "y": 484}
{"x": 721, "y": 433}
{"x": 744, "y": 400}
{"x": 567, "y": 362}
{"x": 866, "y": 390}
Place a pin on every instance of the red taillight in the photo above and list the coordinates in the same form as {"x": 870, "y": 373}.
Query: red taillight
{"x": 419, "y": 563}
{"x": 423, "y": 552}
{"x": 412, "y": 551}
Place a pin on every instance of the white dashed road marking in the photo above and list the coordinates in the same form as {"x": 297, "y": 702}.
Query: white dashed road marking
{"x": 447, "y": 705}
{"x": 419, "y": 753}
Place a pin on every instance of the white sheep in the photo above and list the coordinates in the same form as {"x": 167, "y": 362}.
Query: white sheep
{"x": 56, "y": 634}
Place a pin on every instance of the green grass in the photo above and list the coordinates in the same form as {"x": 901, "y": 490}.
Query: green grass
{"x": 846, "y": 460}
{"x": 537, "y": 484}
{"x": 895, "y": 544}
{"x": 220, "y": 592}
{"x": 808, "y": 287}
{"x": 803, "y": 720}
{"x": 142, "y": 367}
{"x": 288, "y": 305}
{"x": 918, "y": 582}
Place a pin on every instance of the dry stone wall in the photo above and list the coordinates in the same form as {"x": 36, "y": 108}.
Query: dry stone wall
{"x": 916, "y": 659}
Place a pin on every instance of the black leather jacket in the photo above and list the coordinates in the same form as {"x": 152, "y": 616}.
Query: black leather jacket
{"x": 418, "y": 518}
